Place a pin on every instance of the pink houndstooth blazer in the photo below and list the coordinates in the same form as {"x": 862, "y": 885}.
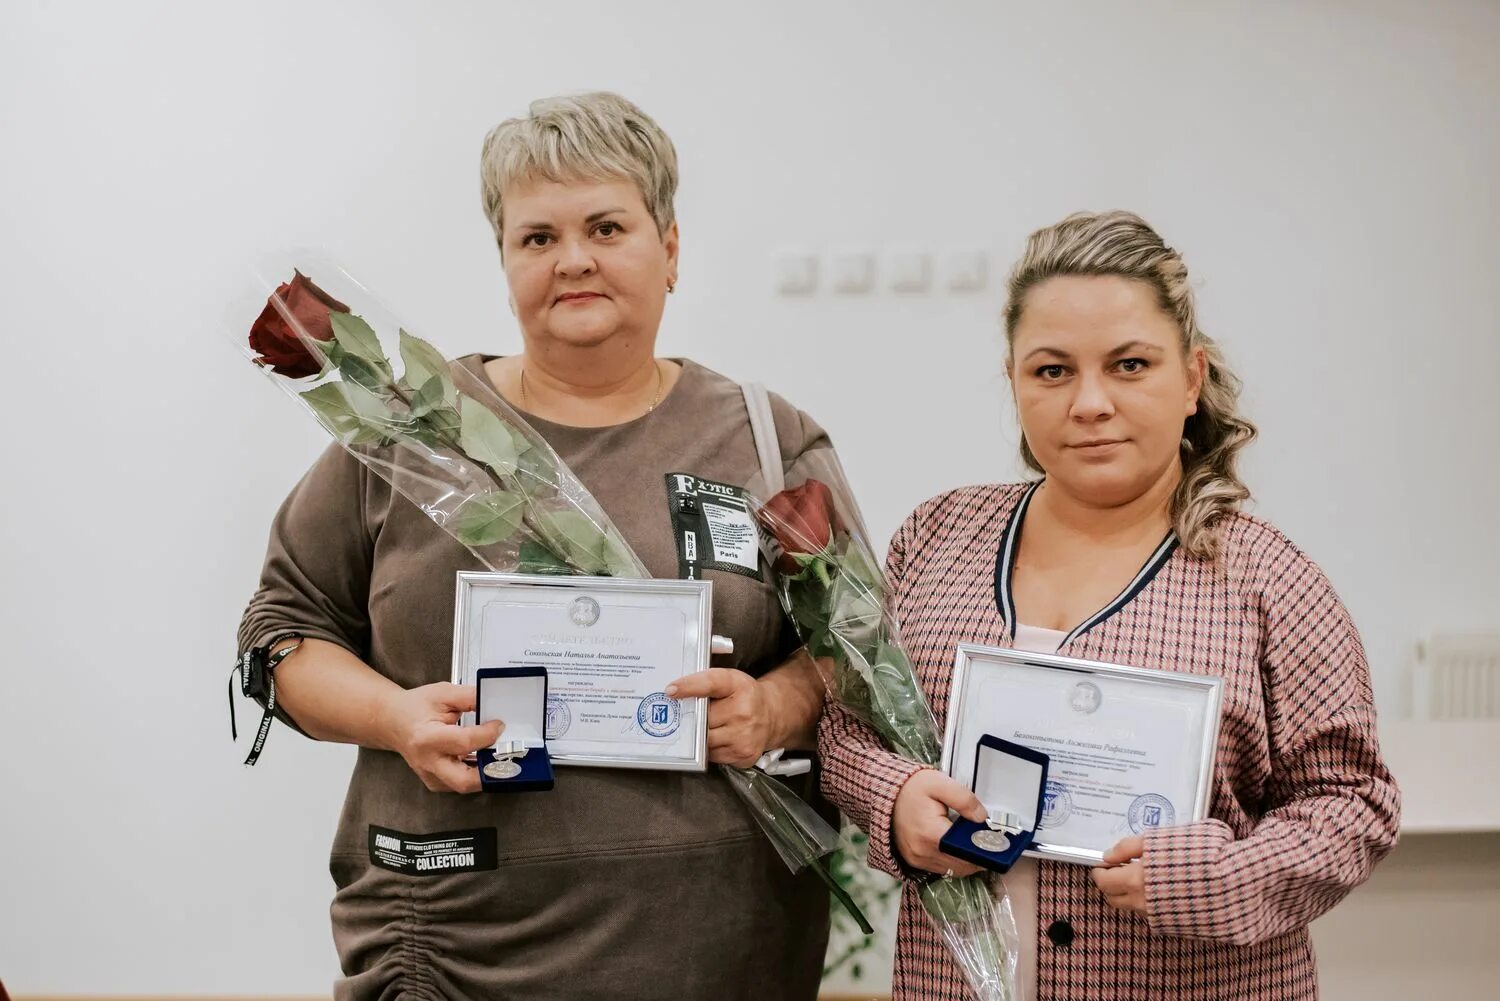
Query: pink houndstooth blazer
{"x": 1302, "y": 805}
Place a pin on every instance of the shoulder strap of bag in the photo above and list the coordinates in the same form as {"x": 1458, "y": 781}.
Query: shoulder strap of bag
{"x": 763, "y": 427}
{"x": 768, "y": 448}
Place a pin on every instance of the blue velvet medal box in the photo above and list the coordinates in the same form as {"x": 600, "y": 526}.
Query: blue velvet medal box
{"x": 517, "y": 696}
{"x": 1009, "y": 779}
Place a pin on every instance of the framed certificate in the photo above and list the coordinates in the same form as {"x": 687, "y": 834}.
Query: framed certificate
{"x": 1128, "y": 748}
{"x": 610, "y": 647}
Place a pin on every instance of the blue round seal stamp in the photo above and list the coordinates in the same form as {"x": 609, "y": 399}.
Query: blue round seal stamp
{"x": 559, "y": 717}
{"x": 1057, "y": 805}
{"x": 658, "y": 715}
{"x": 1150, "y": 810}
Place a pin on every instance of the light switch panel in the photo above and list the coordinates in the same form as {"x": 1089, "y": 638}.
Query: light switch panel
{"x": 796, "y": 272}
{"x": 910, "y": 271}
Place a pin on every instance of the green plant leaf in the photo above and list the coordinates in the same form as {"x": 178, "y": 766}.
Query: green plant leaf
{"x": 356, "y": 337}
{"x": 855, "y": 613}
{"x": 353, "y": 414}
{"x": 618, "y": 560}
{"x": 808, "y": 604}
{"x": 432, "y": 395}
{"x": 574, "y": 538}
{"x": 806, "y": 566}
{"x": 488, "y": 518}
{"x": 439, "y": 428}
{"x": 536, "y": 558}
{"x": 523, "y": 444}
{"x": 485, "y": 438}
{"x": 859, "y": 563}
{"x": 422, "y": 364}
{"x": 534, "y": 471}
{"x": 443, "y": 420}
{"x": 356, "y": 369}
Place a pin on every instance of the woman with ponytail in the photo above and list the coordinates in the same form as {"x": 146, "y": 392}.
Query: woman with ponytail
{"x": 1134, "y": 552}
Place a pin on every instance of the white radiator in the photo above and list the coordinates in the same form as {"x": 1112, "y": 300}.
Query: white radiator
{"x": 1458, "y": 677}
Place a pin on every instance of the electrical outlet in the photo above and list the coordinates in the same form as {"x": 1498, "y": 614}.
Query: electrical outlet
{"x": 853, "y": 273}
{"x": 965, "y": 271}
{"x": 910, "y": 271}
{"x": 796, "y": 272}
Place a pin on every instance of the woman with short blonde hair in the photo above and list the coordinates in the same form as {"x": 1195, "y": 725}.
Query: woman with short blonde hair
{"x": 617, "y": 883}
{"x": 596, "y": 137}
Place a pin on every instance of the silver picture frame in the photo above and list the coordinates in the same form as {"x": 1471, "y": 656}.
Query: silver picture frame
{"x": 606, "y": 707}
{"x": 995, "y": 688}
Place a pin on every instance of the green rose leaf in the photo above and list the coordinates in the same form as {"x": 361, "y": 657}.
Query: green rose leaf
{"x": 353, "y": 414}
{"x": 488, "y": 518}
{"x": 485, "y": 438}
{"x": 805, "y": 568}
{"x": 432, "y": 395}
{"x": 437, "y": 428}
{"x": 443, "y": 420}
{"x": 423, "y": 364}
{"x": 362, "y": 372}
{"x": 586, "y": 548}
{"x": 575, "y": 539}
{"x": 618, "y": 559}
{"x": 856, "y": 605}
{"x": 534, "y": 471}
{"x": 536, "y": 558}
{"x": 859, "y": 563}
{"x": 357, "y": 338}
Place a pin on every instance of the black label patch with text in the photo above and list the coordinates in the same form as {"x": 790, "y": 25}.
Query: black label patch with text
{"x": 713, "y": 526}
{"x": 433, "y": 854}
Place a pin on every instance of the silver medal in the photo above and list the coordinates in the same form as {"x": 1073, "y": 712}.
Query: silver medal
{"x": 991, "y": 841}
{"x": 502, "y": 768}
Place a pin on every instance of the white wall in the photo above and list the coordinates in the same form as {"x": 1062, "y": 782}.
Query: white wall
{"x": 1327, "y": 169}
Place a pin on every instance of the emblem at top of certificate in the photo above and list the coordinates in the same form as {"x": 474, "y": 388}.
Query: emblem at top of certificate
{"x": 1085, "y": 697}
{"x": 583, "y": 611}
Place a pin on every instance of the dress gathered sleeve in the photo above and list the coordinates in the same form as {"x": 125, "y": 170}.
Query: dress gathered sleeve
{"x": 316, "y": 578}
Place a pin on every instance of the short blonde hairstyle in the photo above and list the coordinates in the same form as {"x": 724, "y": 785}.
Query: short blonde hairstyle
{"x": 595, "y": 137}
{"x": 1123, "y": 245}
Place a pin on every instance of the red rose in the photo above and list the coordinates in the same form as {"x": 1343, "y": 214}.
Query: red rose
{"x": 803, "y": 520}
{"x": 275, "y": 342}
